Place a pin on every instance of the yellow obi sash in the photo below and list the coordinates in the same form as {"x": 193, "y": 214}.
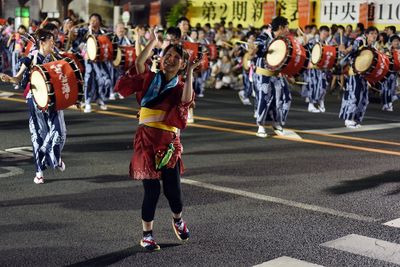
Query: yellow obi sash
{"x": 265, "y": 72}
{"x": 351, "y": 72}
{"x": 154, "y": 118}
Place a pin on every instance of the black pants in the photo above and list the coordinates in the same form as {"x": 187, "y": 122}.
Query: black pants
{"x": 171, "y": 182}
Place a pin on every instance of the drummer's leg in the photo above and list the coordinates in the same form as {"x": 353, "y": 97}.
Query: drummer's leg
{"x": 37, "y": 127}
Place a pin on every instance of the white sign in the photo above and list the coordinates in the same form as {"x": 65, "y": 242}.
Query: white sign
{"x": 387, "y": 11}
{"x": 126, "y": 16}
{"x": 339, "y": 11}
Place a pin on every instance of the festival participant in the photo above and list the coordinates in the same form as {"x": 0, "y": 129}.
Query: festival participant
{"x": 388, "y": 86}
{"x": 98, "y": 75}
{"x": 274, "y": 95}
{"x": 164, "y": 101}
{"x": 315, "y": 78}
{"x": 48, "y": 131}
{"x": 355, "y": 98}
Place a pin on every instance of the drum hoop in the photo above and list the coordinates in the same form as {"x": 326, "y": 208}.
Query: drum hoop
{"x": 320, "y": 54}
{"x": 97, "y": 49}
{"x": 287, "y": 56}
{"x": 49, "y": 86}
{"x": 373, "y": 63}
{"x": 78, "y": 75}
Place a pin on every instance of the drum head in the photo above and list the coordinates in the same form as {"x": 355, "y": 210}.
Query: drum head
{"x": 316, "y": 54}
{"x": 118, "y": 58}
{"x": 364, "y": 60}
{"x": 278, "y": 53}
{"x": 39, "y": 89}
{"x": 91, "y": 45}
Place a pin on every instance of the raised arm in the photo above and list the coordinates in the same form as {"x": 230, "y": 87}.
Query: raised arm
{"x": 188, "y": 88}
{"x": 146, "y": 53}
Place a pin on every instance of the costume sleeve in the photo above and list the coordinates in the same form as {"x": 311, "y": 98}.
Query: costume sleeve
{"x": 178, "y": 115}
{"x": 129, "y": 84}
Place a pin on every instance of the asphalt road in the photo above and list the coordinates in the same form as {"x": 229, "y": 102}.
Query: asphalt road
{"x": 248, "y": 200}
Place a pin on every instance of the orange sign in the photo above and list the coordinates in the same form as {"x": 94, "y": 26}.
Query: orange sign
{"x": 363, "y": 18}
{"x": 269, "y": 11}
{"x": 303, "y": 8}
{"x": 155, "y": 18}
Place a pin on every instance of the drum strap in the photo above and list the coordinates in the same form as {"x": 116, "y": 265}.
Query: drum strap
{"x": 265, "y": 72}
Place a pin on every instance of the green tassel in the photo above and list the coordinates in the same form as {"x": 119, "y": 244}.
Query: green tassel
{"x": 164, "y": 161}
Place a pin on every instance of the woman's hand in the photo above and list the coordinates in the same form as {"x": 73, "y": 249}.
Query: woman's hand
{"x": 194, "y": 64}
{"x": 153, "y": 34}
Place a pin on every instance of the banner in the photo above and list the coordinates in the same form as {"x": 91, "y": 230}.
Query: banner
{"x": 363, "y": 14}
{"x": 288, "y": 9}
{"x": 245, "y": 12}
{"x": 304, "y": 11}
{"x": 338, "y": 11}
{"x": 387, "y": 11}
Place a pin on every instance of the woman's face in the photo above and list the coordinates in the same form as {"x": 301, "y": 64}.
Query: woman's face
{"x": 47, "y": 45}
{"x": 172, "y": 62}
{"x": 372, "y": 36}
{"x": 94, "y": 22}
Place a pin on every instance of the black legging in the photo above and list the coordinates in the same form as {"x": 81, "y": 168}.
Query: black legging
{"x": 171, "y": 181}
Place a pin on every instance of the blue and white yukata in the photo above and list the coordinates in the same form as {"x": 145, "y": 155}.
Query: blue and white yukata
{"x": 388, "y": 91}
{"x": 48, "y": 130}
{"x": 201, "y": 77}
{"x": 274, "y": 97}
{"x": 355, "y": 97}
{"x": 98, "y": 75}
{"x": 317, "y": 83}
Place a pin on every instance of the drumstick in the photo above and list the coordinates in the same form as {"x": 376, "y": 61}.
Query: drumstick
{"x": 43, "y": 23}
{"x": 301, "y": 31}
{"x": 302, "y": 83}
{"x": 373, "y": 88}
{"x": 341, "y": 37}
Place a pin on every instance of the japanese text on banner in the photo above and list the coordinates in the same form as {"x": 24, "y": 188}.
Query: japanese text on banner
{"x": 338, "y": 11}
{"x": 245, "y": 12}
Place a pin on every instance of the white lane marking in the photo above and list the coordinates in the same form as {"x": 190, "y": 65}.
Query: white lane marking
{"x": 12, "y": 171}
{"x": 366, "y": 246}
{"x": 288, "y": 133}
{"x": 6, "y": 94}
{"x": 364, "y": 128}
{"x": 23, "y": 150}
{"x": 393, "y": 223}
{"x": 285, "y": 261}
{"x": 281, "y": 201}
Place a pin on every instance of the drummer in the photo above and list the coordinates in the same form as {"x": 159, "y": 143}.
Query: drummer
{"x": 121, "y": 39}
{"x": 48, "y": 130}
{"x": 388, "y": 86}
{"x": 98, "y": 75}
{"x": 315, "y": 78}
{"x": 355, "y": 98}
{"x": 274, "y": 95}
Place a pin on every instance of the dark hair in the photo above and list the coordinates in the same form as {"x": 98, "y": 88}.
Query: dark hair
{"x": 279, "y": 21}
{"x": 361, "y": 27}
{"x": 96, "y": 15}
{"x": 50, "y": 27}
{"x": 394, "y": 37}
{"x": 174, "y": 31}
{"x": 371, "y": 29}
{"x": 392, "y": 28}
{"x": 324, "y": 28}
{"x": 182, "y": 19}
{"x": 341, "y": 27}
{"x": 43, "y": 35}
{"x": 22, "y": 27}
{"x": 385, "y": 37}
